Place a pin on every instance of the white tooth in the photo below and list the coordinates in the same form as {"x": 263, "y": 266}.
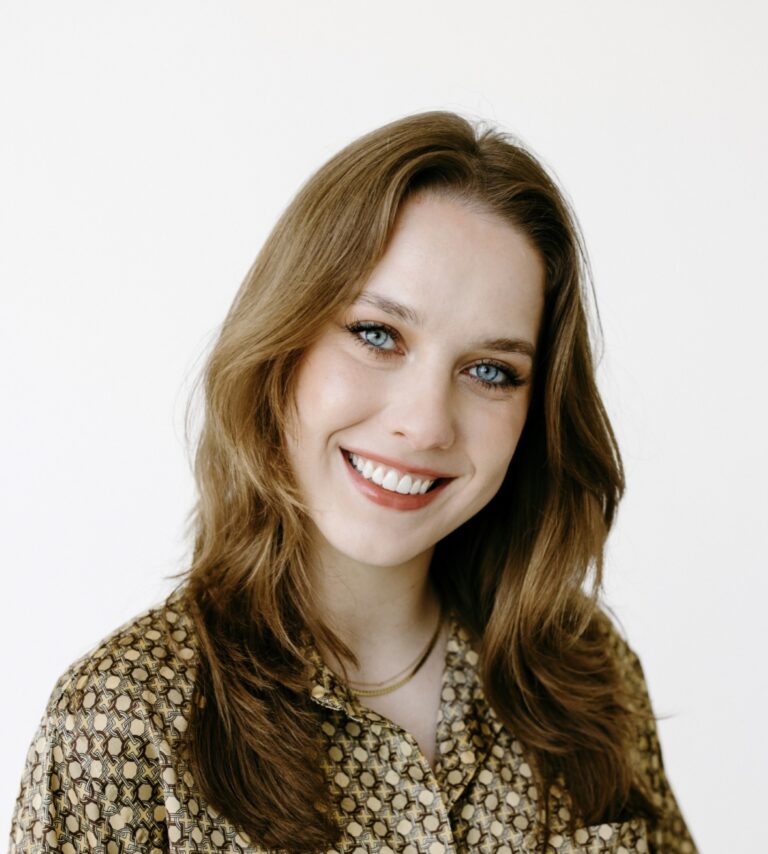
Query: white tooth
{"x": 404, "y": 487}
{"x": 378, "y": 475}
{"x": 368, "y": 469}
{"x": 425, "y": 486}
{"x": 416, "y": 487}
{"x": 355, "y": 459}
{"x": 390, "y": 481}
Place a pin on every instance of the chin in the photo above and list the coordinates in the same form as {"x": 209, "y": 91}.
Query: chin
{"x": 388, "y": 552}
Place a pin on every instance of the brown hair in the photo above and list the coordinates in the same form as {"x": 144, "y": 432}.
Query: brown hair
{"x": 546, "y": 663}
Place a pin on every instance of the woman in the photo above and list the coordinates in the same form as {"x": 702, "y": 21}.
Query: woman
{"x": 406, "y": 479}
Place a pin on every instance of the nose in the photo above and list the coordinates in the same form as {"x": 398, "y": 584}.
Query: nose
{"x": 421, "y": 409}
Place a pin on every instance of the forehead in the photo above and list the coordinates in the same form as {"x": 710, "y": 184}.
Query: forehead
{"x": 453, "y": 263}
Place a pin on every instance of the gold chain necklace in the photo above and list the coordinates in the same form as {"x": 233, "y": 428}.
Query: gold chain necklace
{"x": 378, "y": 692}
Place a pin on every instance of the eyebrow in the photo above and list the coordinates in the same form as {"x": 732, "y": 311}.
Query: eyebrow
{"x": 407, "y": 314}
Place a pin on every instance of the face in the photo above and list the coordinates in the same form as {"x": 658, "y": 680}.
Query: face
{"x": 423, "y": 383}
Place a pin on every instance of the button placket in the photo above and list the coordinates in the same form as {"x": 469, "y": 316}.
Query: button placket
{"x": 466, "y": 725}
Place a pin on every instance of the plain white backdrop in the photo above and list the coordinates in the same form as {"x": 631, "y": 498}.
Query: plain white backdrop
{"x": 148, "y": 148}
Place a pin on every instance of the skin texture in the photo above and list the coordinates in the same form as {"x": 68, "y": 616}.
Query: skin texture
{"x": 471, "y": 277}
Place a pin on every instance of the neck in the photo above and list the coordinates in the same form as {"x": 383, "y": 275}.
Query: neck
{"x": 384, "y": 614}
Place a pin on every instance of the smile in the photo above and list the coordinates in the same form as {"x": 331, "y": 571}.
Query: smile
{"x": 391, "y": 487}
{"x": 389, "y": 478}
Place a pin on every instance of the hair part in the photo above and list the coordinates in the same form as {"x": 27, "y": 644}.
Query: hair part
{"x": 546, "y": 665}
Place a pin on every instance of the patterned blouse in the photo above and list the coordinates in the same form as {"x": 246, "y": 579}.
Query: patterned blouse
{"x": 105, "y": 774}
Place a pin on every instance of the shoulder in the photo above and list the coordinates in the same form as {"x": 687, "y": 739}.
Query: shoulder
{"x": 106, "y": 754}
{"x": 144, "y": 669}
{"x": 626, "y": 661}
{"x": 634, "y": 698}
{"x": 669, "y": 830}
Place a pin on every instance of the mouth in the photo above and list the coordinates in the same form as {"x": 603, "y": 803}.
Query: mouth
{"x": 391, "y": 478}
{"x": 390, "y": 487}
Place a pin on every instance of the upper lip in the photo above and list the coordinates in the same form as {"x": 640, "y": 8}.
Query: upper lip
{"x": 399, "y": 464}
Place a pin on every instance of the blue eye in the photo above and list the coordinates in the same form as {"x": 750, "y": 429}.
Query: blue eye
{"x": 496, "y": 376}
{"x": 489, "y": 373}
{"x": 376, "y": 337}
{"x": 373, "y": 336}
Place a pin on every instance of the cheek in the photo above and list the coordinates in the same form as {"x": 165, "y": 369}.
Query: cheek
{"x": 497, "y": 438}
{"x": 333, "y": 392}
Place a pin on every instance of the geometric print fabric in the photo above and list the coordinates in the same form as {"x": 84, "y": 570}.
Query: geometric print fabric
{"x": 105, "y": 772}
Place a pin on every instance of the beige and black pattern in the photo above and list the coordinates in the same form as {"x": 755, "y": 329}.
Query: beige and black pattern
{"x": 105, "y": 772}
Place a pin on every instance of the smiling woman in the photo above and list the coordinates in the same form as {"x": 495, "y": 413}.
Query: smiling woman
{"x": 389, "y": 637}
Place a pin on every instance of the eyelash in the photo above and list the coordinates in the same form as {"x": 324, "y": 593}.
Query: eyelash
{"x": 514, "y": 380}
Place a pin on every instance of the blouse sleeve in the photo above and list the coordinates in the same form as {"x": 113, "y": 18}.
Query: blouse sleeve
{"x": 88, "y": 783}
{"x": 670, "y": 834}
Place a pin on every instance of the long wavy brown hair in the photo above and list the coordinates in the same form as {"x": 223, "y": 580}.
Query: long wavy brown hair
{"x": 522, "y": 575}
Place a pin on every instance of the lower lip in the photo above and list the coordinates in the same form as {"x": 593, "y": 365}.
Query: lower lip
{"x": 384, "y": 497}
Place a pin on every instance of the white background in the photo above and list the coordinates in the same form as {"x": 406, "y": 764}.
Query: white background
{"x": 148, "y": 148}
